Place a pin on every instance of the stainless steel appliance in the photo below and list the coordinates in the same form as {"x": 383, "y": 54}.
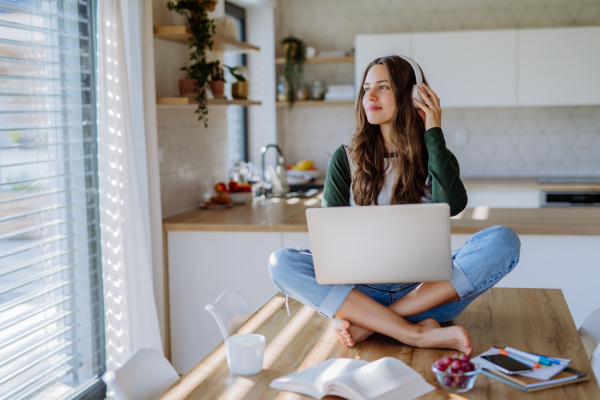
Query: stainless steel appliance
{"x": 567, "y": 198}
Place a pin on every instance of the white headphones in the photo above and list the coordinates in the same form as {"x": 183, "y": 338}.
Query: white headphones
{"x": 415, "y": 92}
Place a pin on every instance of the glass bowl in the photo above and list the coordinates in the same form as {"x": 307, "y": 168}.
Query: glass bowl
{"x": 454, "y": 382}
{"x": 240, "y": 197}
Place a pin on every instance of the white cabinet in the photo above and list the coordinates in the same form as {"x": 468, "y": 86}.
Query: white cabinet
{"x": 370, "y": 47}
{"x": 504, "y": 198}
{"x": 202, "y": 265}
{"x": 559, "y": 66}
{"x": 469, "y": 69}
{"x": 498, "y": 68}
{"x": 296, "y": 239}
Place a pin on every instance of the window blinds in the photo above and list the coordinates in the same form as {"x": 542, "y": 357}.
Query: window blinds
{"x": 51, "y": 319}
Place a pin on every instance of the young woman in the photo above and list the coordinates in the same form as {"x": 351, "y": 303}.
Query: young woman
{"x": 398, "y": 156}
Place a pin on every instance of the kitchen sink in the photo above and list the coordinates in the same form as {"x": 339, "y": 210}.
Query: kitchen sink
{"x": 305, "y": 187}
{"x": 298, "y": 193}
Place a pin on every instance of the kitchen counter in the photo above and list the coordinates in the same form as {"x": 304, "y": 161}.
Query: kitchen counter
{"x": 525, "y": 184}
{"x": 516, "y": 184}
{"x": 281, "y": 215}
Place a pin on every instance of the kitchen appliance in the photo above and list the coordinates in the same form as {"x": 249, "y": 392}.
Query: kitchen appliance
{"x": 568, "y": 198}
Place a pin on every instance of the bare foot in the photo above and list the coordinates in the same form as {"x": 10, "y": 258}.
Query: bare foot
{"x": 452, "y": 337}
{"x": 351, "y": 334}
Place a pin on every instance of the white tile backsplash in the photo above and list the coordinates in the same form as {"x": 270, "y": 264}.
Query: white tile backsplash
{"x": 192, "y": 164}
{"x": 511, "y": 141}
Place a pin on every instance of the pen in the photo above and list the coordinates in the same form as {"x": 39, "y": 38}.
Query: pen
{"x": 536, "y": 357}
{"x": 522, "y": 360}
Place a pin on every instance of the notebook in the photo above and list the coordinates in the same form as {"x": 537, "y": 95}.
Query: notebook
{"x": 385, "y": 379}
{"x": 526, "y": 384}
{"x": 543, "y": 373}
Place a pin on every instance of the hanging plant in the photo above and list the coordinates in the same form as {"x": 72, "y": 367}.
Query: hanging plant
{"x": 196, "y": 12}
{"x": 293, "y": 69}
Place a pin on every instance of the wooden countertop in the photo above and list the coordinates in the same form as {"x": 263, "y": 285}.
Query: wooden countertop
{"x": 516, "y": 184}
{"x": 525, "y": 184}
{"x": 281, "y": 215}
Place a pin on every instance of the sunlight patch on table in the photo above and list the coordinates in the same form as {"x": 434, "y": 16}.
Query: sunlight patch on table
{"x": 319, "y": 352}
{"x": 287, "y": 334}
{"x": 240, "y": 387}
{"x": 252, "y": 324}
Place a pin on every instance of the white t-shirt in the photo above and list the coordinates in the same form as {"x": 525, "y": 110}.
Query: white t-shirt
{"x": 391, "y": 177}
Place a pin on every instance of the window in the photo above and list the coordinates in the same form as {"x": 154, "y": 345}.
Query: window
{"x": 237, "y": 116}
{"x": 51, "y": 310}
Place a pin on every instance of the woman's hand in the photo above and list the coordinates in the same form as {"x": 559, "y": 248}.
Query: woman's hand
{"x": 431, "y": 112}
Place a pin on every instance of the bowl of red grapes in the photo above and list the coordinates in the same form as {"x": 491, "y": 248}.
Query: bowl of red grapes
{"x": 456, "y": 374}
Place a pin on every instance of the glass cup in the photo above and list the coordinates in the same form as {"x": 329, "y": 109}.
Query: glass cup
{"x": 245, "y": 353}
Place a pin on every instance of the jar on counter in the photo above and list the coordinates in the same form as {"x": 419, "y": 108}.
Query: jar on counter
{"x": 318, "y": 90}
{"x": 302, "y": 92}
{"x": 283, "y": 89}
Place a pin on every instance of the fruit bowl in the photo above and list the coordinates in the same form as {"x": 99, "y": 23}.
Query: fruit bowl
{"x": 303, "y": 174}
{"x": 454, "y": 377}
{"x": 240, "y": 197}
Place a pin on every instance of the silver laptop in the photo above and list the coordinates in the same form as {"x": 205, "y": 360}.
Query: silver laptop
{"x": 381, "y": 244}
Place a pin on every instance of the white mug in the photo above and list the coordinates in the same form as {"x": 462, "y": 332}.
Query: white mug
{"x": 310, "y": 52}
{"x": 245, "y": 353}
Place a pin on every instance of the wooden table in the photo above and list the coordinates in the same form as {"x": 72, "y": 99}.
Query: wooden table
{"x": 537, "y": 320}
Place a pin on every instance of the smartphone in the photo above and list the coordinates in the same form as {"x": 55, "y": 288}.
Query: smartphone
{"x": 508, "y": 365}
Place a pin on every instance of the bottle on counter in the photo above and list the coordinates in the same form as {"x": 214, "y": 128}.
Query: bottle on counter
{"x": 318, "y": 90}
{"x": 283, "y": 89}
{"x": 302, "y": 92}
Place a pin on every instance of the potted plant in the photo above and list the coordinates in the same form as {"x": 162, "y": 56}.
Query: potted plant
{"x": 239, "y": 89}
{"x": 294, "y": 49}
{"x": 202, "y": 27}
{"x": 217, "y": 79}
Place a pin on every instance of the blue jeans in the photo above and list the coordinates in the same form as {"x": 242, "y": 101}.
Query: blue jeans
{"x": 477, "y": 266}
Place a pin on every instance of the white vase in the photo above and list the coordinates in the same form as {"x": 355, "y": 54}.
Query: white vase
{"x": 177, "y": 19}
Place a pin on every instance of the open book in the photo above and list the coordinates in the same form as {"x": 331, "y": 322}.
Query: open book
{"x": 386, "y": 378}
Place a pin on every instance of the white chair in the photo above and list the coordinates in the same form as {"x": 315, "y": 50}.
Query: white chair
{"x": 230, "y": 310}
{"x": 144, "y": 376}
{"x": 589, "y": 332}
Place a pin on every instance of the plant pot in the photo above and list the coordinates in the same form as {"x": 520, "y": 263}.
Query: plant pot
{"x": 177, "y": 19}
{"x": 187, "y": 87}
{"x": 239, "y": 90}
{"x": 218, "y": 89}
{"x": 292, "y": 49}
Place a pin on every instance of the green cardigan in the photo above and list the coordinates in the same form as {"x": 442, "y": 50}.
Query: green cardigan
{"x": 446, "y": 186}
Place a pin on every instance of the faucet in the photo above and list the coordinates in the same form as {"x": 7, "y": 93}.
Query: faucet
{"x": 280, "y": 172}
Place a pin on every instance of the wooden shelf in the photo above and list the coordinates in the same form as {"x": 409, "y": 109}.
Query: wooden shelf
{"x": 319, "y": 60}
{"x": 182, "y": 34}
{"x": 316, "y": 103}
{"x": 189, "y": 102}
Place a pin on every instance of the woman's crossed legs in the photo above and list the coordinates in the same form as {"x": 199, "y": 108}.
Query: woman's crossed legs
{"x": 413, "y": 318}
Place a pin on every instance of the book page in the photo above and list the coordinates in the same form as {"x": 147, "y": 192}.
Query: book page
{"x": 311, "y": 381}
{"x": 386, "y": 378}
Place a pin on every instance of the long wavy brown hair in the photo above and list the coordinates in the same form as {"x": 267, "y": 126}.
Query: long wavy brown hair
{"x": 367, "y": 147}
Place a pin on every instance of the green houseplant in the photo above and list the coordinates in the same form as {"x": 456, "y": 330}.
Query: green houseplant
{"x": 293, "y": 69}
{"x": 217, "y": 79}
{"x": 202, "y": 27}
{"x": 239, "y": 89}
